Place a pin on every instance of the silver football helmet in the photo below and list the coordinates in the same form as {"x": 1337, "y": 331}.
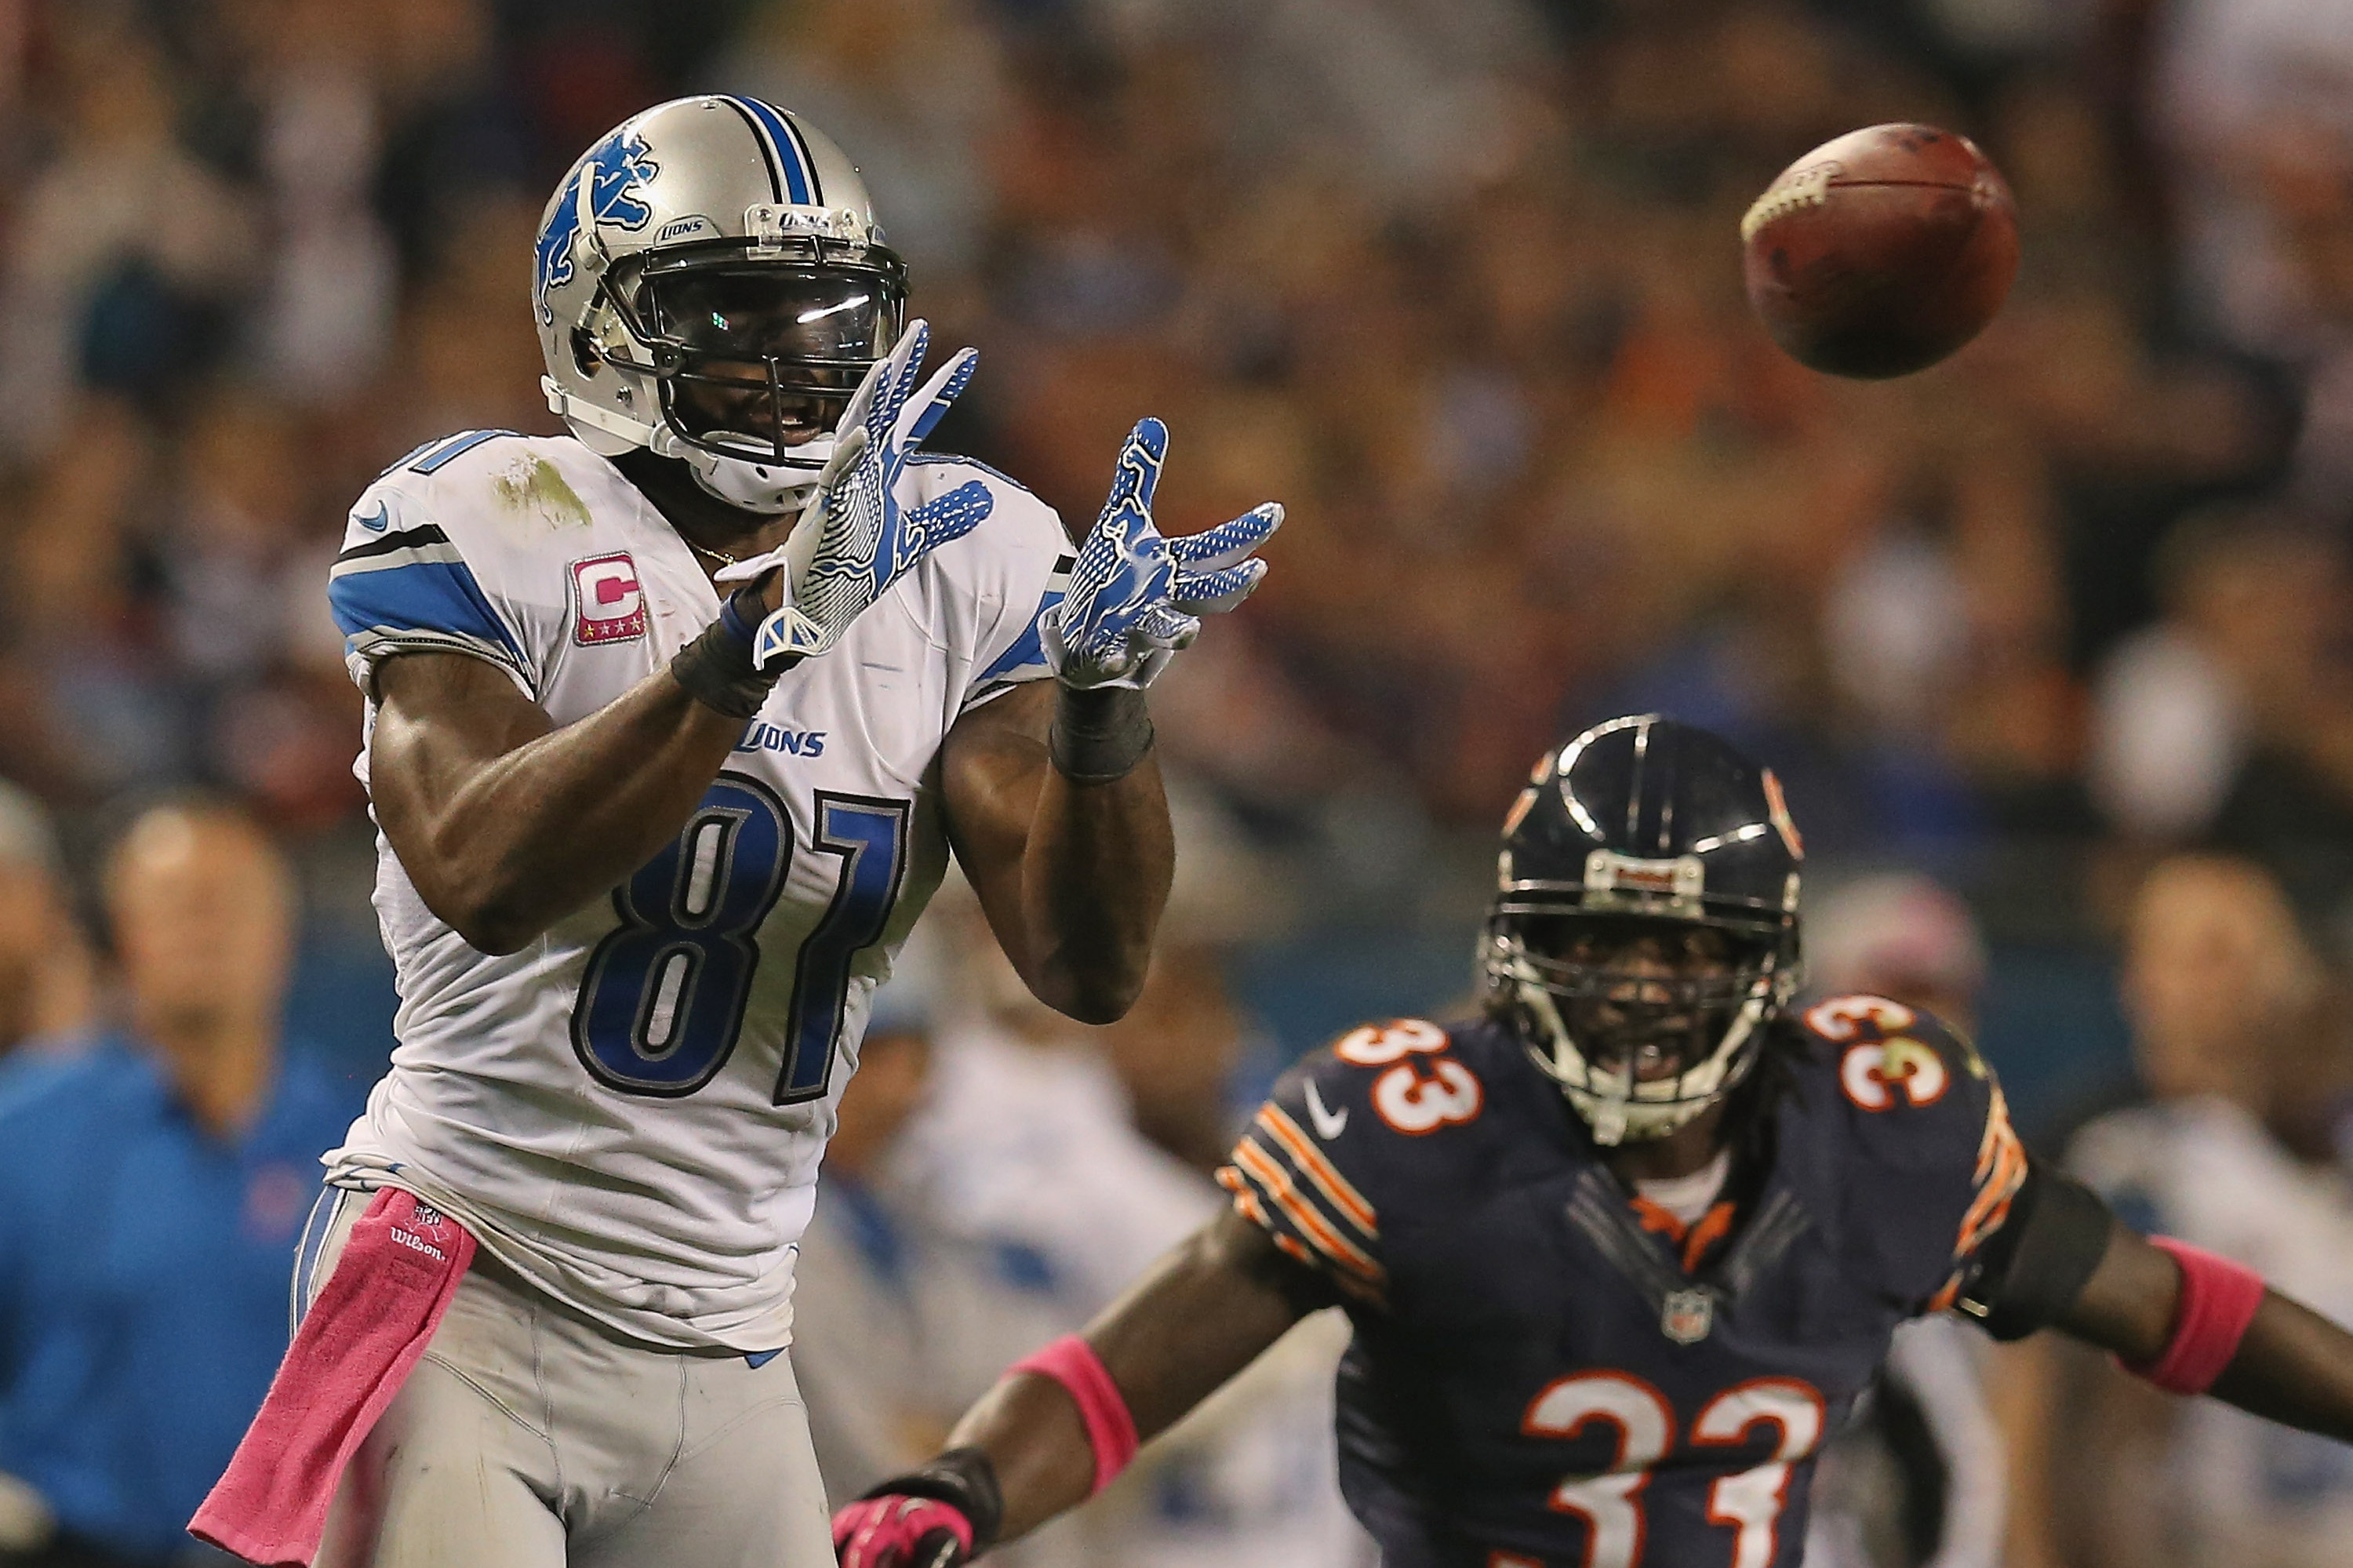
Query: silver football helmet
{"x": 710, "y": 284}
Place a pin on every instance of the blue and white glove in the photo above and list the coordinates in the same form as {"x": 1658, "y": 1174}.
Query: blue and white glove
{"x": 853, "y": 539}
{"x": 1136, "y": 598}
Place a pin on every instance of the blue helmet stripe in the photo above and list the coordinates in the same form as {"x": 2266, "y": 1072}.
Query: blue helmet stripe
{"x": 789, "y": 152}
{"x": 760, "y": 139}
{"x": 806, "y": 159}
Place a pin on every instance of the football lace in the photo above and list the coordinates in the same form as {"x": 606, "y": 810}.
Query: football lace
{"x": 1799, "y": 189}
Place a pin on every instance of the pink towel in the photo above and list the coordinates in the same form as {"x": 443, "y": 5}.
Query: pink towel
{"x": 357, "y": 1345}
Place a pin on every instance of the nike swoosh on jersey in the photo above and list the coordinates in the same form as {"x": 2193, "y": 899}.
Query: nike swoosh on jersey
{"x": 379, "y": 522}
{"x": 1329, "y": 1124}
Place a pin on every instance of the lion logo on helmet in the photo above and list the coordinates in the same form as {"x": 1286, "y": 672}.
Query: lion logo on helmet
{"x": 617, "y": 169}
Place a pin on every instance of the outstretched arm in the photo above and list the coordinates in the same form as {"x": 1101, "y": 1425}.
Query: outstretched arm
{"x": 1053, "y": 793}
{"x": 2290, "y": 1365}
{"x": 1072, "y": 876}
{"x": 1201, "y": 1315}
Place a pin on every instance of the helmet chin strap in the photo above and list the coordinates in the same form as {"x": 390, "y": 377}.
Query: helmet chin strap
{"x": 748, "y": 486}
{"x": 768, "y": 488}
{"x": 1608, "y": 1122}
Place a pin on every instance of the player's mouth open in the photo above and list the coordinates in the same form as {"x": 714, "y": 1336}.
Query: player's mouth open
{"x": 752, "y": 410}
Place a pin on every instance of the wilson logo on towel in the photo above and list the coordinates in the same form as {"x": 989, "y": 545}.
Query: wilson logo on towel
{"x": 416, "y": 1243}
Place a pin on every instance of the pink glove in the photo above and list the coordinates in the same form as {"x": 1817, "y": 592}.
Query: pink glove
{"x": 897, "y": 1532}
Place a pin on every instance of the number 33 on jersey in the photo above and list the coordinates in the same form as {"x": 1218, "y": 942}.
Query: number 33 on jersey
{"x": 630, "y": 1110}
{"x": 1541, "y": 1376}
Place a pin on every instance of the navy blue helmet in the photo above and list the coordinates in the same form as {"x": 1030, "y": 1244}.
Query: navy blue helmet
{"x": 1644, "y": 827}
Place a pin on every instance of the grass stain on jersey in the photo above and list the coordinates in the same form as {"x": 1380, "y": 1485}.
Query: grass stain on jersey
{"x": 532, "y": 484}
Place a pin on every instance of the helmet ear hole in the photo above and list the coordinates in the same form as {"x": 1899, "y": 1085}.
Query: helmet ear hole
{"x": 584, "y": 351}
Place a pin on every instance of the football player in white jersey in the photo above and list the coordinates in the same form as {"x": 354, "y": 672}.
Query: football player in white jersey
{"x": 671, "y": 726}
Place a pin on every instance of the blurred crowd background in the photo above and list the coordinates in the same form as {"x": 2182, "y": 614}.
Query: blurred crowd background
{"x": 1458, "y": 281}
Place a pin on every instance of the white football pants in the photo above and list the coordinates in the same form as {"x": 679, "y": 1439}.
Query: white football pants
{"x": 530, "y": 1436}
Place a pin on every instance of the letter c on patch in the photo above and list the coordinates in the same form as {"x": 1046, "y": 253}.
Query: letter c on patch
{"x": 611, "y": 604}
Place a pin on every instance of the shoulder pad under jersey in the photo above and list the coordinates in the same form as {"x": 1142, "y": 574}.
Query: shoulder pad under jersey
{"x": 1351, "y": 1128}
{"x": 1927, "y": 1160}
{"x": 450, "y": 551}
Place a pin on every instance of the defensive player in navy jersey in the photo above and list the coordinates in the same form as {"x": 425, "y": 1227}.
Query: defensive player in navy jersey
{"x": 1621, "y": 1253}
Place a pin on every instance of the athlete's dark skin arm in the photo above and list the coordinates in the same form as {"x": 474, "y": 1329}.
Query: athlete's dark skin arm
{"x": 506, "y": 823}
{"x": 1203, "y": 1313}
{"x": 2293, "y": 1366}
{"x": 1208, "y": 1309}
{"x": 1072, "y": 876}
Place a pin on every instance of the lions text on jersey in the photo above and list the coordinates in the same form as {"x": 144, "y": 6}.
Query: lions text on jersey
{"x": 628, "y": 1112}
{"x": 1547, "y": 1371}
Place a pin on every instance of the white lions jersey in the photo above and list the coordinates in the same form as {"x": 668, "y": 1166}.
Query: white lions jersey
{"x": 629, "y": 1111}
{"x": 2241, "y": 1492}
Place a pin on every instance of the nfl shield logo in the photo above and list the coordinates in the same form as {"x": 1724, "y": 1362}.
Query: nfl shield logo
{"x": 1686, "y": 1316}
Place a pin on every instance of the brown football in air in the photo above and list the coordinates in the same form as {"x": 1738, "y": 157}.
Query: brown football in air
{"x": 1881, "y": 252}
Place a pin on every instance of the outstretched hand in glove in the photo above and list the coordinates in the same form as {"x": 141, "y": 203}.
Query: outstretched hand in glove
{"x": 1136, "y": 597}
{"x": 854, "y": 539}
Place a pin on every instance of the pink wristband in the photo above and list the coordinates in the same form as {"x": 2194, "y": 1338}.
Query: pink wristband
{"x": 2218, "y": 1298}
{"x": 1110, "y": 1429}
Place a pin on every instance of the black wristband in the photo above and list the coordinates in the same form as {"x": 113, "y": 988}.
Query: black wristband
{"x": 2038, "y": 1263}
{"x": 716, "y": 668}
{"x": 965, "y": 1480}
{"x": 1099, "y": 734}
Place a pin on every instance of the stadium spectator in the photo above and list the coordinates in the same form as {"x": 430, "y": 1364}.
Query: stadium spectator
{"x": 125, "y": 253}
{"x": 2251, "y": 98}
{"x": 1497, "y": 338}
{"x": 1899, "y": 934}
{"x": 44, "y": 966}
{"x": 2232, "y": 1047}
{"x": 1249, "y": 1478}
{"x": 2231, "y": 719}
{"x": 1178, "y": 1051}
{"x": 150, "y": 1192}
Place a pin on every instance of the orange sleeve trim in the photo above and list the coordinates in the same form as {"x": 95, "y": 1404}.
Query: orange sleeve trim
{"x": 1275, "y": 1186}
{"x": 1246, "y": 1204}
{"x": 2001, "y": 1172}
{"x": 1320, "y": 1169}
